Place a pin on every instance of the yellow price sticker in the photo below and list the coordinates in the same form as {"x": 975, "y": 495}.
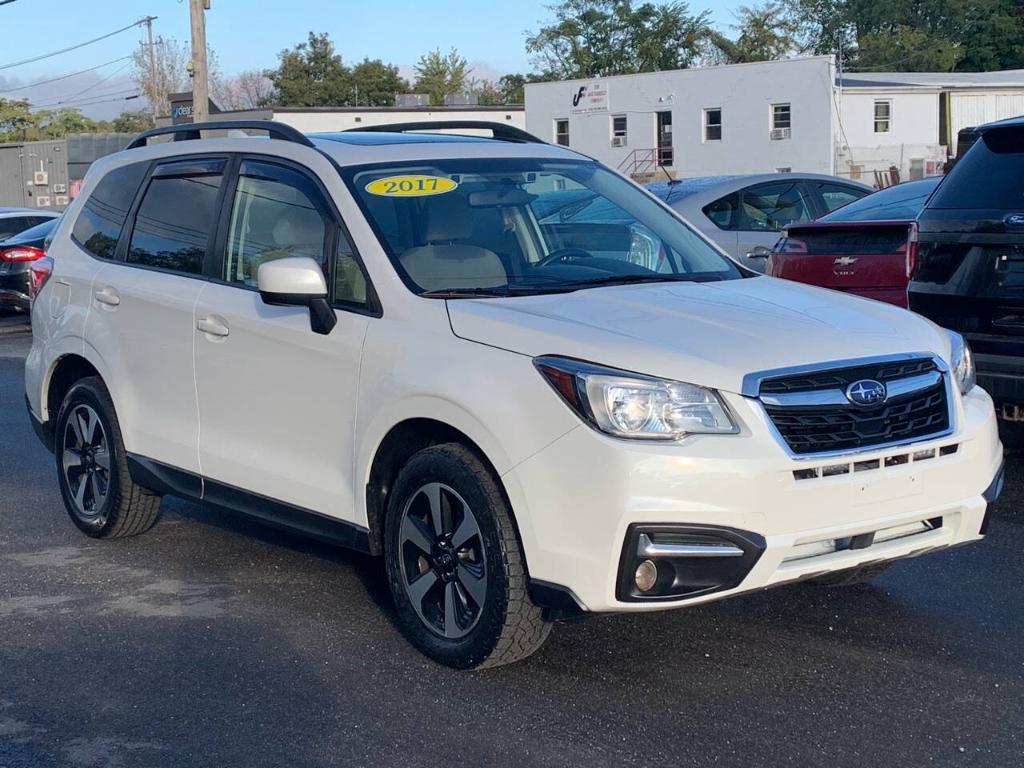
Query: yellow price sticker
{"x": 411, "y": 186}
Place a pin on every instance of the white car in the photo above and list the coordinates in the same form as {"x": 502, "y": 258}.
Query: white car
{"x": 745, "y": 214}
{"x": 391, "y": 340}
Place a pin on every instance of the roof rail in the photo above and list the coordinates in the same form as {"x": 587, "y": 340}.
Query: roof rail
{"x": 191, "y": 131}
{"x": 500, "y": 131}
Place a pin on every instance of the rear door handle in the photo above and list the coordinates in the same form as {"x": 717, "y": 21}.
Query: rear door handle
{"x": 213, "y": 326}
{"x": 107, "y": 295}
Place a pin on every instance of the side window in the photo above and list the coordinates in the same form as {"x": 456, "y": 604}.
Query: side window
{"x": 835, "y": 196}
{"x": 276, "y": 213}
{"x": 177, "y": 214}
{"x": 99, "y": 223}
{"x": 771, "y": 207}
{"x": 349, "y": 279}
{"x": 725, "y": 212}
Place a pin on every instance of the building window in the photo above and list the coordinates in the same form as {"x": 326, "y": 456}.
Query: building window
{"x": 781, "y": 116}
{"x": 562, "y": 132}
{"x": 784, "y": 169}
{"x": 618, "y": 130}
{"x": 883, "y": 116}
{"x": 713, "y": 124}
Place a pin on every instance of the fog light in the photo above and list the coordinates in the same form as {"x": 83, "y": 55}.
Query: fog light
{"x": 646, "y": 576}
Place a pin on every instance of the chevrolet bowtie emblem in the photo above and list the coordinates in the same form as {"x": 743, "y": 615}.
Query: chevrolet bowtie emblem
{"x": 844, "y": 261}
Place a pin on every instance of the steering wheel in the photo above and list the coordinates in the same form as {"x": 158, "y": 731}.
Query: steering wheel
{"x": 564, "y": 255}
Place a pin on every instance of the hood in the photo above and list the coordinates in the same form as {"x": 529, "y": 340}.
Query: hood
{"x": 710, "y": 334}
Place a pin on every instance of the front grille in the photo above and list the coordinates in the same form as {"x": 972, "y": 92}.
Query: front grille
{"x": 810, "y": 429}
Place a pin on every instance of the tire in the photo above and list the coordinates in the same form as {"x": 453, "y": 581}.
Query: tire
{"x": 464, "y": 602}
{"x": 92, "y": 469}
{"x": 850, "y": 577}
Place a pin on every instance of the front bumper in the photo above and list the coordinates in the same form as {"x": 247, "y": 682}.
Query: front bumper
{"x": 576, "y": 500}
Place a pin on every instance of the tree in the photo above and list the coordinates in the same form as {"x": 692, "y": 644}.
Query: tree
{"x": 311, "y": 75}
{"x": 132, "y": 122}
{"x": 16, "y": 120}
{"x": 375, "y": 84}
{"x": 165, "y": 74}
{"x": 765, "y": 34}
{"x": 250, "y": 89}
{"x": 589, "y": 38}
{"x": 441, "y": 75}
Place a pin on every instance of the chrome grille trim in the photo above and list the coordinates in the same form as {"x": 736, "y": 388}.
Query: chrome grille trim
{"x": 897, "y": 388}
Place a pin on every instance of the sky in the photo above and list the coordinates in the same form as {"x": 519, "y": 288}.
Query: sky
{"x": 248, "y": 34}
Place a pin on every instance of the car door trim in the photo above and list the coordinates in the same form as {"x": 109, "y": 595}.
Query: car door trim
{"x": 166, "y": 479}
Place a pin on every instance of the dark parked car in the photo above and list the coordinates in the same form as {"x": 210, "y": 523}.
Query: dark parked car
{"x": 17, "y": 255}
{"x": 867, "y": 247}
{"x": 970, "y": 266}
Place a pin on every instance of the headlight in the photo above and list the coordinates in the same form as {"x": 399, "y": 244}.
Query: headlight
{"x": 634, "y": 406}
{"x": 961, "y": 362}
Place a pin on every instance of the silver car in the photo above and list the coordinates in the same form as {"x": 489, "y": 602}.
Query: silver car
{"x": 744, "y": 214}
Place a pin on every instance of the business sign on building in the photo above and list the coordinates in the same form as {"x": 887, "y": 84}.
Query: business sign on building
{"x": 590, "y": 99}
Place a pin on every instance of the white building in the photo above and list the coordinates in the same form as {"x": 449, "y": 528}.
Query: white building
{"x": 791, "y": 115}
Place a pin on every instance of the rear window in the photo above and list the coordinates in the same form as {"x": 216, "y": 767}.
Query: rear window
{"x": 902, "y": 202}
{"x": 99, "y": 224}
{"x": 989, "y": 176}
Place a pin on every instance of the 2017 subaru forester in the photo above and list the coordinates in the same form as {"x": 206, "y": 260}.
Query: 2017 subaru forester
{"x": 520, "y": 378}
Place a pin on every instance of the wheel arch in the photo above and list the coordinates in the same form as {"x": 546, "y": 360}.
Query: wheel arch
{"x": 396, "y": 446}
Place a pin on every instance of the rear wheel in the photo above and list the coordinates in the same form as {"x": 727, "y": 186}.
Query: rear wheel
{"x": 98, "y": 492}
{"x": 850, "y": 577}
{"x": 455, "y": 567}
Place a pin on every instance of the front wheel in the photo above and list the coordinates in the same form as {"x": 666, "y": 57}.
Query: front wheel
{"x": 455, "y": 567}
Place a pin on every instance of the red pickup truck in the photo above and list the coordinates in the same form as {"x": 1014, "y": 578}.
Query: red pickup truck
{"x": 868, "y": 247}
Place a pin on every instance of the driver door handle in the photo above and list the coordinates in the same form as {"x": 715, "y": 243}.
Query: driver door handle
{"x": 213, "y": 326}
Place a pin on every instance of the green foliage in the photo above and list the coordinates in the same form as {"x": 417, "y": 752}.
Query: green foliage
{"x": 312, "y": 74}
{"x": 441, "y": 74}
{"x": 913, "y": 35}
{"x": 132, "y": 122}
{"x": 375, "y": 83}
{"x": 765, "y": 34}
{"x": 590, "y": 38}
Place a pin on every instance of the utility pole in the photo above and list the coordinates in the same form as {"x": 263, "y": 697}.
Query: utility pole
{"x": 148, "y": 21}
{"x": 200, "y": 74}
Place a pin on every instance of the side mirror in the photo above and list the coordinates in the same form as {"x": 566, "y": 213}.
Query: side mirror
{"x": 298, "y": 282}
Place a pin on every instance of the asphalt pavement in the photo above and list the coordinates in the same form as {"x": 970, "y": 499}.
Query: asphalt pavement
{"x": 212, "y": 641}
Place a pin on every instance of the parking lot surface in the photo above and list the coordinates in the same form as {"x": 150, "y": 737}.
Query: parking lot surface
{"x": 214, "y": 641}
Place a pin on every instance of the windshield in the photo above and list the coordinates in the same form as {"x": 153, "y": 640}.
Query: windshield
{"x": 901, "y": 202}
{"x": 499, "y": 227}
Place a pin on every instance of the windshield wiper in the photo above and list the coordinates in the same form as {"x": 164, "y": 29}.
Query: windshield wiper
{"x": 495, "y": 291}
{"x": 625, "y": 280}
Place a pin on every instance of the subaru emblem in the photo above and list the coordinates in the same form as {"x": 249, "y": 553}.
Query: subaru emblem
{"x": 1014, "y": 220}
{"x": 866, "y": 392}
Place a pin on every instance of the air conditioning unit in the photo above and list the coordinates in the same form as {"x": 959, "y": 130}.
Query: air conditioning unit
{"x": 43, "y": 202}
{"x": 40, "y": 178}
{"x": 778, "y": 134}
{"x": 618, "y": 141}
{"x": 60, "y": 200}
{"x": 60, "y": 189}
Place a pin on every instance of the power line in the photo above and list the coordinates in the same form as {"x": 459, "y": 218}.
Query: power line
{"x": 82, "y": 101}
{"x": 64, "y": 77}
{"x": 73, "y": 47}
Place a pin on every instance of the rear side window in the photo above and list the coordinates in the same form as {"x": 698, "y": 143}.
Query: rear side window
{"x": 988, "y": 175}
{"x": 771, "y": 207}
{"x": 12, "y": 226}
{"x": 177, "y": 215}
{"x": 835, "y": 196}
{"x": 725, "y": 212}
{"x": 99, "y": 224}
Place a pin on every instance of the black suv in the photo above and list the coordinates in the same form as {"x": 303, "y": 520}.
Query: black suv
{"x": 970, "y": 267}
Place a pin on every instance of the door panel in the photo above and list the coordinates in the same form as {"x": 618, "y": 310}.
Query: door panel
{"x": 277, "y": 401}
{"x": 140, "y": 322}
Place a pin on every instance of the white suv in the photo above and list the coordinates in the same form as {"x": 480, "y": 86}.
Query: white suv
{"x": 518, "y": 377}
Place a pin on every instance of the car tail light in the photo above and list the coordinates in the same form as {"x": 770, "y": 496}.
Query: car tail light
{"x": 912, "y": 244}
{"x": 21, "y": 253}
{"x": 39, "y": 273}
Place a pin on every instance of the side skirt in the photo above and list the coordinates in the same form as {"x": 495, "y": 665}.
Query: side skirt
{"x": 188, "y": 485}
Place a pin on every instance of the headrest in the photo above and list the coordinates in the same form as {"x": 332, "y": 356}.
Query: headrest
{"x": 448, "y": 218}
